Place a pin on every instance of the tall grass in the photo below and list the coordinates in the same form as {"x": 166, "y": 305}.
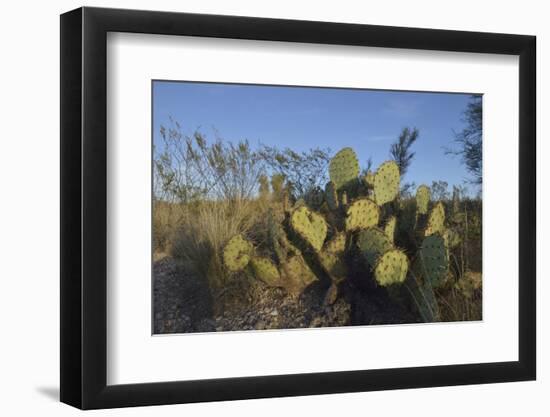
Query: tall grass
{"x": 199, "y": 240}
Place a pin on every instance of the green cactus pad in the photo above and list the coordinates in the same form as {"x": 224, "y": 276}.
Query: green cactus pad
{"x": 422, "y": 199}
{"x": 433, "y": 254}
{"x": 362, "y": 214}
{"x": 337, "y": 244}
{"x": 386, "y": 182}
{"x": 343, "y": 168}
{"x": 332, "y": 257}
{"x": 436, "y": 220}
{"x": 344, "y": 199}
{"x": 331, "y": 196}
{"x": 296, "y": 275}
{"x": 391, "y": 267}
{"x": 236, "y": 253}
{"x": 372, "y": 243}
{"x": 265, "y": 271}
{"x": 311, "y": 226}
{"x": 389, "y": 228}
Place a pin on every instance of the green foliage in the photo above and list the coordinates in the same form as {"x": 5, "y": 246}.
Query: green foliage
{"x": 440, "y": 190}
{"x": 343, "y": 168}
{"x": 304, "y": 170}
{"x": 400, "y": 150}
{"x": 470, "y": 140}
{"x": 189, "y": 168}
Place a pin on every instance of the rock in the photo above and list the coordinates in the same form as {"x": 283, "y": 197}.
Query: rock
{"x": 260, "y": 325}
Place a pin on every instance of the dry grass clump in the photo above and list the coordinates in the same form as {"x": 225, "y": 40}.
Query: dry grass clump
{"x": 199, "y": 240}
{"x": 464, "y": 301}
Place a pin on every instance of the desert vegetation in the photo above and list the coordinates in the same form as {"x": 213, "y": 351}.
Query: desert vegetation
{"x": 262, "y": 237}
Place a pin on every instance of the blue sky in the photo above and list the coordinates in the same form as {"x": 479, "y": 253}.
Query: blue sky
{"x": 302, "y": 118}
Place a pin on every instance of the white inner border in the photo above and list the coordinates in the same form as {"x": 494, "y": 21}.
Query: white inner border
{"x": 134, "y": 356}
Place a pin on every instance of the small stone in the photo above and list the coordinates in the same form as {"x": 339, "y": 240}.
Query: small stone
{"x": 274, "y": 313}
{"x": 260, "y": 325}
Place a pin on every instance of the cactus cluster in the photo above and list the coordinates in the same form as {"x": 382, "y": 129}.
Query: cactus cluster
{"x": 349, "y": 229}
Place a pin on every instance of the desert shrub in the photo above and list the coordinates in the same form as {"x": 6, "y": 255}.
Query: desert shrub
{"x": 167, "y": 217}
{"x": 199, "y": 241}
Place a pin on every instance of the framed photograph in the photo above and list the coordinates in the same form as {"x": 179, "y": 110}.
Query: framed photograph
{"x": 257, "y": 208}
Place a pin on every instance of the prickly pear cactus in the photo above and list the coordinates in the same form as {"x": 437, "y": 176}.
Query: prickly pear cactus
{"x": 389, "y": 228}
{"x": 422, "y": 199}
{"x": 236, "y": 253}
{"x": 311, "y": 226}
{"x": 362, "y": 214}
{"x": 391, "y": 268}
{"x": 372, "y": 243}
{"x": 344, "y": 199}
{"x": 331, "y": 196}
{"x": 315, "y": 198}
{"x": 386, "y": 182}
{"x": 434, "y": 258}
{"x": 343, "y": 167}
{"x": 369, "y": 179}
{"x": 436, "y": 220}
{"x": 265, "y": 271}
{"x": 296, "y": 275}
{"x": 451, "y": 238}
{"x": 332, "y": 257}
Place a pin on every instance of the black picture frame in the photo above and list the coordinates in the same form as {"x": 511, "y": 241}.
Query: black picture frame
{"x": 84, "y": 207}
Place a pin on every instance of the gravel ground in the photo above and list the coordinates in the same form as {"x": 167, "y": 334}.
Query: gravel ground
{"x": 183, "y": 304}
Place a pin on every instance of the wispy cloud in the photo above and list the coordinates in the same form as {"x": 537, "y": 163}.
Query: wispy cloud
{"x": 402, "y": 107}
